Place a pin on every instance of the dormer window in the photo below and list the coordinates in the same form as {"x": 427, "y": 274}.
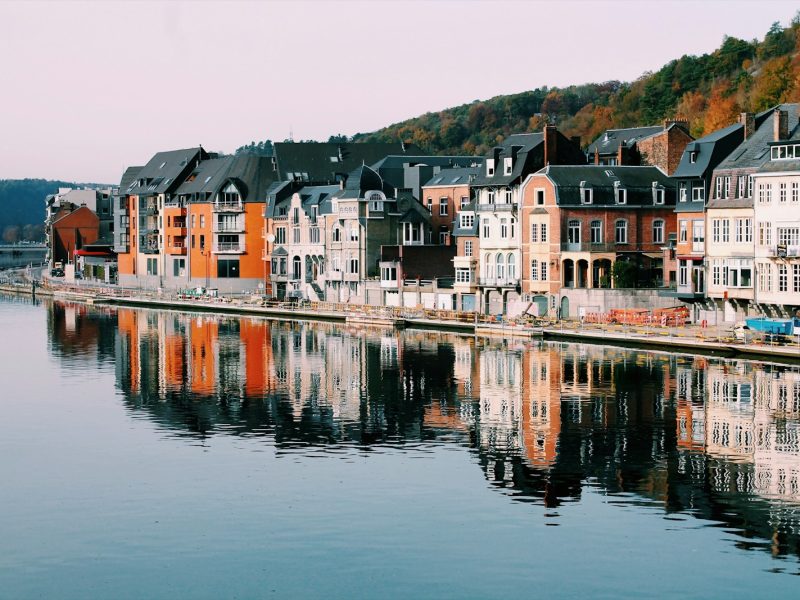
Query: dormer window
{"x": 658, "y": 195}
{"x": 466, "y": 221}
{"x": 507, "y": 165}
{"x": 490, "y": 167}
{"x": 693, "y": 156}
{"x": 682, "y": 193}
{"x": 620, "y": 195}
{"x": 586, "y": 194}
{"x": 375, "y": 200}
{"x": 785, "y": 152}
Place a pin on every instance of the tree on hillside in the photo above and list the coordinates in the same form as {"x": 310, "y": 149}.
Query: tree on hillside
{"x": 775, "y": 84}
{"x": 722, "y": 108}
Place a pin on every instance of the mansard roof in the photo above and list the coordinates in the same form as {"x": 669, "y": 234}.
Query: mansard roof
{"x": 603, "y": 180}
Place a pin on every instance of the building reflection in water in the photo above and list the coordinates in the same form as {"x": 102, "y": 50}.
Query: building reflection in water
{"x": 713, "y": 437}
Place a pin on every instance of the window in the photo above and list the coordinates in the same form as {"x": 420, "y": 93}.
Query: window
{"x": 719, "y": 186}
{"x": 280, "y": 235}
{"x": 764, "y": 193}
{"x": 539, "y": 197}
{"x": 741, "y": 183}
{"x": 744, "y": 231}
{"x": 658, "y": 195}
{"x": 796, "y": 278}
{"x": 574, "y": 232}
{"x": 543, "y": 271}
{"x": 194, "y": 221}
{"x": 596, "y": 232}
{"x": 682, "y": 193}
{"x": 503, "y": 228}
{"x": 490, "y": 167}
{"x": 464, "y": 201}
{"x": 507, "y": 165}
{"x": 543, "y": 234}
{"x": 750, "y": 183}
{"x": 509, "y": 196}
{"x": 444, "y": 236}
{"x": 765, "y": 234}
{"x": 788, "y": 236}
{"x": 192, "y": 242}
{"x": 683, "y": 273}
{"x": 486, "y": 229}
{"x": 682, "y": 231}
{"x": 765, "y": 278}
{"x": 534, "y": 270}
{"x": 468, "y": 248}
{"x": 430, "y": 205}
{"x": 313, "y": 234}
{"x": 621, "y": 231}
{"x": 693, "y": 157}
{"x": 228, "y": 268}
{"x": 795, "y": 191}
{"x": 698, "y": 235}
{"x": 534, "y": 232}
{"x": 463, "y": 275}
{"x": 352, "y": 265}
{"x": 296, "y": 268}
{"x": 726, "y": 186}
{"x": 511, "y": 261}
{"x": 152, "y": 266}
{"x": 658, "y": 231}
{"x": 586, "y": 195}
{"x": 490, "y": 196}
{"x": 295, "y": 235}
{"x": 337, "y": 234}
{"x": 513, "y": 224}
{"x": 488, "y": 268}
{"x": 467, "y": 221}
{"x": 354, "y": 233}
{"x": 442, "y": 207}
{"x": 389, "y": 273}
{"x": 782, "y": 193}
{"x": 202, "y": 242}
{"x": 621, "y": 195}
{"x": 202, "y": 221}
{"x": 411, "y": 234}
{"x": 698, "y": 192}
{"x": 783, "y": 278}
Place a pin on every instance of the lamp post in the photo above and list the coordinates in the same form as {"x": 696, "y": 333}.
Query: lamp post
{"x": 205, "y": 252}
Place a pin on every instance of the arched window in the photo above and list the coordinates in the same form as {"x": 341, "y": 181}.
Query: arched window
{"x": 501, "y": 266}
{"x": 296, "y": 268}
{"x": 512, "y": 267}
{"x": 658, "y": 231}
{"x": 621, "y": 231}
{"x": 230, "y": 195}
{"x": 337, "y": 234}
{"x": 489, "y": 266}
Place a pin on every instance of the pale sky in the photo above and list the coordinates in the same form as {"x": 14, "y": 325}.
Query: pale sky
{"x": 91, "y": 88}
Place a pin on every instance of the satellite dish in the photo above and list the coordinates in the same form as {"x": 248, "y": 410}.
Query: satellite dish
{"x": 270, "y": 237}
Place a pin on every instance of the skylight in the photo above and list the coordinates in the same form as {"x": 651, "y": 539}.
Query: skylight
{"x": 162, "y": 165}
{"x": 207, "y": 179}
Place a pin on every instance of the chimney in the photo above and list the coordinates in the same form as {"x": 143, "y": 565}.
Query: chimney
{"x": 621, "y": 154}
{"x": 780, "y": 124}
{"x": 550, "y": 144}
{"x": 676, "y": 121}
{"x": 748, "y": 119}
{"x": 596, "y": 157}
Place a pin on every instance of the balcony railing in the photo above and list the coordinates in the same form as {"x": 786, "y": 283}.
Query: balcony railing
{"x": 498, "y": 281}
{"x": 229, "y": 247}
{"x": 228, "y": 207}
{"x": 228, "y": 227}
{"x": 783, "y": 251}
{"x": 587, "y": 247}
{"x": 497, "y": 207}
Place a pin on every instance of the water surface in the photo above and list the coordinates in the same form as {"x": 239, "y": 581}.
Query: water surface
{"x": 148, "y": 454}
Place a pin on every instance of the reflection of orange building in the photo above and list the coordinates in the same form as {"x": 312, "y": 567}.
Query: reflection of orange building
{"x": 256, "y": 338}
{"x": 203, "y": 337}
{"x": 128, "y": 325}
{"x": 541, "y": 404}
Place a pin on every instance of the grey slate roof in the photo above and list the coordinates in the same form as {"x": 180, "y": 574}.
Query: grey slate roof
{"x": 524, "y": 143}
{"x": 610, "y": 140}
{"x": 128, "y": 176}
{"x": 320, "y": 196}
{"x": 780, "y": 166}
{"x": 710, "y": 151}
{"x": 324, "y": 163}
{"x": 251, "y": 175}
{"x": 165, "y": 171}
{"x": 754, "y": 151}
{"x": 454, "y": 176}
{"x": 394, "y": 161}
{"x": 638, "y": 181}
{"x": 361, "y": 180}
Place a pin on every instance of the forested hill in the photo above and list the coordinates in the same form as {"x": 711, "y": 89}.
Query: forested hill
{"x": 709, "y": 90}
{"x": 22, "y": 207}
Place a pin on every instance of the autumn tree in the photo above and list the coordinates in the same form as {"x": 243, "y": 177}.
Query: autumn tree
{"x": 722, "y": 108}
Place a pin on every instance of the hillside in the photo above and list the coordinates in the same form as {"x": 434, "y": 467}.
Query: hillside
{"x": 22, "y": 207}
{"x": 709, "y": 90}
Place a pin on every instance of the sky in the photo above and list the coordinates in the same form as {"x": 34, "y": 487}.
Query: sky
{"x": 89, "y": 88}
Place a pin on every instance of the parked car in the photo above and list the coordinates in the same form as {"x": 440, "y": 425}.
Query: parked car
{"x": 56, "y": 272}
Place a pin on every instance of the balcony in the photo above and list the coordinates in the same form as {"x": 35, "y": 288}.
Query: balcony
{"x": 501, "y": 207}
{"x": 588, "y": 247}
{"x": 783, "y": 251}
{"x": 228, "y": 247}
{"x": 228, "y": 207}
{"x": 228, "y": 227}
{"x": 150, "y": 210}
{"x": 498, "y": 282}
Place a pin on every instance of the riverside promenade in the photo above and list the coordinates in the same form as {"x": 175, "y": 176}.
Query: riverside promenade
{"x": 688, "y": 339}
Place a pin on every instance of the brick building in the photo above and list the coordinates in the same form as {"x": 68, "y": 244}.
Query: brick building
{"x": 658, "y": 146}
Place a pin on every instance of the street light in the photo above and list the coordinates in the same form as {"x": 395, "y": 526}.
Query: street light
{"x": 207, "y": 254}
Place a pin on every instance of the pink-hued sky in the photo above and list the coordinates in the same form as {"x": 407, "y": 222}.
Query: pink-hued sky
{"x": 90, "y": 88}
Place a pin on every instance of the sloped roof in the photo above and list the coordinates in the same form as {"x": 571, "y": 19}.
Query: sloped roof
{"x": 362, "y": 180}
{"x": 604, "y": 180}
{"x": 323, "y": 163}
{"x": 394, "y": 161}
{"x": 754, "y": 151}
{"x": 252, "y": 176}
{"x": 710, "y": 151}
{"x": 128, "y": 176}
{"x": 454, "y": 176}
{"x": 610, "y": 140}
{"x": 524, "y": 144}
{"x": 164, "y": 172}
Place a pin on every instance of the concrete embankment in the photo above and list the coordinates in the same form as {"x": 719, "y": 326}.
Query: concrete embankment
{"x": 685, "y": 341}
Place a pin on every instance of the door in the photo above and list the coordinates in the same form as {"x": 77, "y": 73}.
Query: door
{"x": 564, "y": 307}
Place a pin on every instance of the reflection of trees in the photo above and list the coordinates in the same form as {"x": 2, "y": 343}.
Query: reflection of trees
{"x": 718, "y": 439}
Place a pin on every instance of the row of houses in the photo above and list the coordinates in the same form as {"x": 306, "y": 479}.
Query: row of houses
{"x": 643, "y": 216}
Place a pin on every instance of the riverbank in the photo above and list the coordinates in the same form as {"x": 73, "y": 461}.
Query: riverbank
{"x": 687, "y": 339}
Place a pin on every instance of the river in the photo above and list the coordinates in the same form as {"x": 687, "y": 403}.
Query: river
{"x": 155, "y": 454}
